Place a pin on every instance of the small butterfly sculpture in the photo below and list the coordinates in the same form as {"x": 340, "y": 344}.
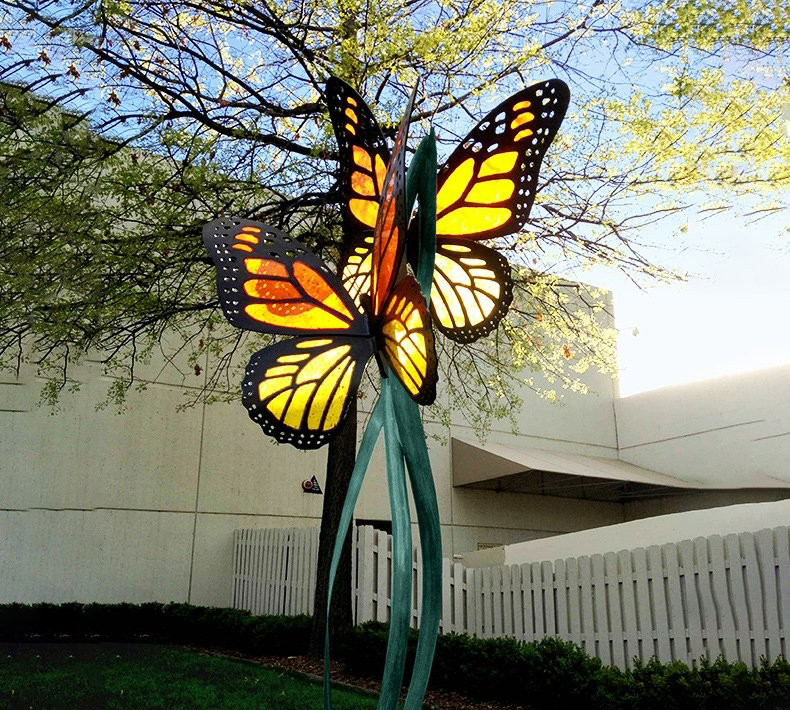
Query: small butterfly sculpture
{"x": 300, "y": 389}
{"x": 485, "y": 190}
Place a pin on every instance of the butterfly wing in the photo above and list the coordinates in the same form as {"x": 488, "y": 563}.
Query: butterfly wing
{"x": 389, "y": 236}
{"x": 407, "y": 340}
{"x": 271, "y": 283}
{"x": 472, "y": 289}
{"x": 487, "y": 186}
{"x": 486, "y": 189}
{"x": 364, "y": 156}
{"x": 299, "y": 390}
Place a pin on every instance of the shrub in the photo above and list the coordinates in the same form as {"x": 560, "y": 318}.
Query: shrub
{"x": 546, "y": 675}
{"x": 231, "y": 629}
{"x": 550, "y": 674}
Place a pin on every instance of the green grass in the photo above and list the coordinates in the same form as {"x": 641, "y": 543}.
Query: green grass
{"x": 139, "y": 677}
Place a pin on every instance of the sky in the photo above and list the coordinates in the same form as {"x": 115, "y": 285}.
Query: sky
{"x": 732, "y": 315}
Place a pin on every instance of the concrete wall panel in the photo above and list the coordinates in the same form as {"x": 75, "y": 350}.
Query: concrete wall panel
{"x": 94, "y": 556}
{"x": 581, "y": 419}
{"x": 467, "y": 538}
{"x": 548, "y": 514}
{"x": 143, "y": 502}
{"x": 145, "y": 458}
{"x": 752, "y": 399}
{"x": 169, "y": 363}
{"x": 243, "y": 471}
{"x": 729, "y": 432}
{"x": 374, "y": 498}
{"x": 212, "y": 571}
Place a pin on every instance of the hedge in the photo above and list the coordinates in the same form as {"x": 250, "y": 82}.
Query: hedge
{"x": 546, "y": 675}
{"x": 231, "y": 629}
{"x": 552, "y": 674}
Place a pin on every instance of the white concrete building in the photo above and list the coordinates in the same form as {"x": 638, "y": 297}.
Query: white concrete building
{"x": 96, "y": 506}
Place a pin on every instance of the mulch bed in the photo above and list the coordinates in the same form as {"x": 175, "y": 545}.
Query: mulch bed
{"x": 439, "y": 699}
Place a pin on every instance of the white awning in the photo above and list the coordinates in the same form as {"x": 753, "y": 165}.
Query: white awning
{"x": 546, "y": 472}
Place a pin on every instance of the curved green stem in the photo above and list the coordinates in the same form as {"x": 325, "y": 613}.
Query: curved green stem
{"x": 369, "y": 438}
{"x": 400, "y": 609}
{"x": 399, "y": 415}
{"x": 424, "y": 493}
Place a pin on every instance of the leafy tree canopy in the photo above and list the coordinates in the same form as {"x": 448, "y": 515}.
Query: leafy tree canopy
{"x": 126, "y": 124}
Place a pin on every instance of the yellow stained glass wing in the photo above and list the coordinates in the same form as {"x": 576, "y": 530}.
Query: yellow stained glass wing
{"x": 472, "y": 289}
{"x": 363, "y": 157}
{"x": 408, "y": 340}
{"x": 488, "y": 184}
{"x": 299, "y": 389}
{"x": 357, "y": 266}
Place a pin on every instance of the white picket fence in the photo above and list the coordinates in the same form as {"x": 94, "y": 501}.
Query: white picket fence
{"x": 682, "y": 601}
{"x": 274, "y": 570}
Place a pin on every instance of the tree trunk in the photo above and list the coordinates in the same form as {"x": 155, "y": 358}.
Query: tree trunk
{"x": 339, "y": 466}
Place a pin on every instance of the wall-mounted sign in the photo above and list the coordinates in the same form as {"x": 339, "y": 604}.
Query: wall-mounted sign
{"x": 311, "y": 486}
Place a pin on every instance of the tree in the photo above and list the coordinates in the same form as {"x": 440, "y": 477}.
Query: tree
{"x": 153, "y": 117}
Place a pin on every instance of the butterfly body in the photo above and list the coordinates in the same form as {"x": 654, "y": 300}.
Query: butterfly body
{"x": 485, "y": 190}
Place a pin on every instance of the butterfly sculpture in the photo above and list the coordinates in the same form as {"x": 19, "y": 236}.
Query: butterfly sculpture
{"x": 300, "y": 389}
{"x": 485, "y": 190}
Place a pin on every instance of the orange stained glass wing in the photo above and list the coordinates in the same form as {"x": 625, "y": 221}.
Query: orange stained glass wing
{"x": 299, "y": 389}
{"x": 407, "y": 340}
{"x": 276, "y": 284}
{"x": 363, "y": 156}
{"x": 388, "y": 241}
{"x": 472, "y": 289}
{"x": 487, "y": 187}
{"x": 389, "y": 237}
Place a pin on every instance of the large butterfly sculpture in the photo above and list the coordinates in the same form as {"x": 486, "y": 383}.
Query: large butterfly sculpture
{"x": 485, "y": 190}
{"x": 299, "y": 389}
